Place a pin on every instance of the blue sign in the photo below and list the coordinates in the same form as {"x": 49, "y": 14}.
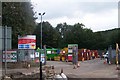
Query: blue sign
{"x": 23, "y": 46}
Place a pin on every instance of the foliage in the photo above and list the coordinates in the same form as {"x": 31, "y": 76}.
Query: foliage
{"x": 19, "y": 16}
{"x": 63, "y": 34}
{"x": 50, "y": 36}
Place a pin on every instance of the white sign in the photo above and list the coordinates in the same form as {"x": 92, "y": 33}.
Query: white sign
{"x": 43, "y": 58}
{"x": 27, "y": 42}
{"x": 32, "y": 56}
{"x": 36, "y": 54}
{"x": 48, "y": 52}
{"x": 70, "y": 51}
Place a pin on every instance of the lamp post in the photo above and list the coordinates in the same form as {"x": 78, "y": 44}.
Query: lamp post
{"x": 41, "y": 14}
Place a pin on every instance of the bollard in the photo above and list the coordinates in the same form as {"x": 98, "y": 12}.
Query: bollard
{"x": 105, "y": 61}
{"x": 82, "y": 59}
{"x": 117, "y": 68}
{"x": 64, "y": 77}
{"x": 78, "y": 64}
{"x": 29, "y": 66}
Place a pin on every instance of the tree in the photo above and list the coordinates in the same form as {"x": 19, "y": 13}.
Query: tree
{"x": 50, "y": 36}
{"x": 19, "y": 16}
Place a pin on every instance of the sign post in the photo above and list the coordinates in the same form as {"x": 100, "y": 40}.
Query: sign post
{"x": 41, "y": 56}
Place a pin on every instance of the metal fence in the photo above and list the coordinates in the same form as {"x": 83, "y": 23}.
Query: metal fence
{"x": 2, "y": 37}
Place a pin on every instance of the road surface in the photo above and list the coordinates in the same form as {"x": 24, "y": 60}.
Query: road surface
{"x": 88, "y": 69}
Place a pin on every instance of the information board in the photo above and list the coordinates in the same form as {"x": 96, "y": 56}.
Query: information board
{"x": 27, "y": 42}
{"x": 10, "y": 57}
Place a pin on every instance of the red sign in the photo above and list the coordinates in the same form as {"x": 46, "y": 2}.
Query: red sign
{"x": 27, "y": 42}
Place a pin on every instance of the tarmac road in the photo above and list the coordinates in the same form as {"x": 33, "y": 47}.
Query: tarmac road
{"x": 88, "y": 69}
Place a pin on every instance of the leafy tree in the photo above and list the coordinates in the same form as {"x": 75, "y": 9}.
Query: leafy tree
{"x": 19, "y": 16}
{"x": 50, "y": 36}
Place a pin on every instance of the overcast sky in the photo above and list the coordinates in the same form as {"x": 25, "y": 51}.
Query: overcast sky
{"x": 94, "y": 14}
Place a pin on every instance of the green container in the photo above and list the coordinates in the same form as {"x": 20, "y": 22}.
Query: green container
{"x": 51, "y": 53}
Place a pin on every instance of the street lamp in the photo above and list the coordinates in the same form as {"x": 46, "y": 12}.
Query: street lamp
{"x": 41, "y": 14}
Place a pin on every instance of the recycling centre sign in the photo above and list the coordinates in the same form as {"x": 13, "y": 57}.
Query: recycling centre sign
{"x": 27, "y": 42}
{"x": 11, "y": 56}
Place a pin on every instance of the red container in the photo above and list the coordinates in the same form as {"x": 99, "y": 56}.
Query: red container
{"x": 85, "y": 54}
{"x": 88, "y": 55}
{"x": 69, "y": 57}
{"x": 95, "y": 52}
{"x": 80, "y": 55}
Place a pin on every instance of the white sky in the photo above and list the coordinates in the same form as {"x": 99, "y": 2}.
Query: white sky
{"x": 97, "y": 15}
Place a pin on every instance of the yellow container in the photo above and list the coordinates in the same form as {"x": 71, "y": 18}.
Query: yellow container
{"x": 63, "y": 58}
{"x": 58, "y": 58}
{"x": 55, "y": 58}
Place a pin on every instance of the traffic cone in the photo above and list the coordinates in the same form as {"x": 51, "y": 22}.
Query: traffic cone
{"x": 64, "y": 77}
{"x": 117, "y": 68}
{"x": 105, "y": 61}
{"x": 109, "y": 62}
{"x": 78, "y": 64}
{"x": 28, "y": 66}
{"x": 62, "y": 70}
{"x": 82, "y": 59}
